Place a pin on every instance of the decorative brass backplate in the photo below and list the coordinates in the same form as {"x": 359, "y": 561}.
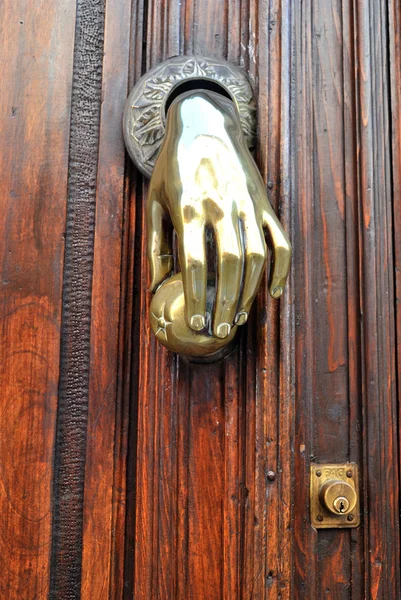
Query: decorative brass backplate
{"x": 334, "y": 496}
{"x": 144, "y": 120}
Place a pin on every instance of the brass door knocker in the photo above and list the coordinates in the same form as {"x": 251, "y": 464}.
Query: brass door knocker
{"x": 206, "y": 186}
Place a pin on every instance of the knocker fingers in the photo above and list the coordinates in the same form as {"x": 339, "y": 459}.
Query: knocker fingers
{"x": 159, "y": 232}
{"x": 230, "y": 262}
{"x": 192, "y": 254}
{"x": 281, "y": 248}
{"x": 255, "y": 261}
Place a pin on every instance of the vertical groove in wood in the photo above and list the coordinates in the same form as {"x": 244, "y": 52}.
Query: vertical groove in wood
{"x": 263, "y": 370}
{"x": 133, "y": 392}
{"x": 233, "y": 506}
{"x": 181, "y": 584}
{"x": 207, "y": 430}
{"x": 378, "y": 391}
{"x": 69, "y": 462}
{"x": 236, "y": 496}
{"x": 146, "y": 398}
{"x": 305, "y": 539}
{"x": 352, "y": 217}
{"x": 285, "y": 466}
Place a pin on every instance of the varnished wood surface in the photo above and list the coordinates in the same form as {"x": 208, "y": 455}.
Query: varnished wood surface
{"x": 36, "y": 74}
{"x": 346, "y": 382}
{"x": 105, "y": 465}
{"x": 394, "y": 209}
{"x": 163, "y": 479}
{"x": 377, "y": 299}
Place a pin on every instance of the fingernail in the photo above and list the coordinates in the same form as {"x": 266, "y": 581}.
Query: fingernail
{"x": 197, "y": 322}
{"x": 223, "y": 330}
{"x": 276, "y": 293}
{"x": 241, "y": 318}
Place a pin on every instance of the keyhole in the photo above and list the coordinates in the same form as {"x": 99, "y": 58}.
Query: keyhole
{"x": 341, "y": 505}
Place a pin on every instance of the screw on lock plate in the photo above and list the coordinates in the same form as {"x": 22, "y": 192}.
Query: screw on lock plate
{"x": 334, "y": 495}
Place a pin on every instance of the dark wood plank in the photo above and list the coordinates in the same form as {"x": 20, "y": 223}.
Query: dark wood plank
{"x": 170, "y": 538}
{"x": 104, "y": 500}
{"x": 202, "y": 525}
{"x": 72, "y": 410}
{"x": 395, "y": 79}
{"x": 268, "y": 404}
{"x": 149, "y": 394}
{"x": 36, "y": 66}
{"x": 328, "y": 286}
{"x": 234, "y": 496}
{"x": 206, "y": 482}
{"x": 286, "y": 401}
{"x": 382, "y": 578}
{"x": 131, "y": 328}
{"x": 305, "y": 539}
{"x": 351, "y": 210}
{"x": 344, "y": 292}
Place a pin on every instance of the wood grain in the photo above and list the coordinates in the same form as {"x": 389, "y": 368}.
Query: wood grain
{"x": 395, "y": 117}
{"x": 305, "y": 539}
{"x": 382, "y": 577}
{"x": 174, "y": 480}
{"x": 341, "y": 112}
{"x": 36, "y": 71}
{"x": 104, "y": 471}
{"x": 345, "y": 320}
{"x": 329, "y": 284}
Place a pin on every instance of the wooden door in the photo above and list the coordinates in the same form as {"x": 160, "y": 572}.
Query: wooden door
{"x": 125, "y": 471}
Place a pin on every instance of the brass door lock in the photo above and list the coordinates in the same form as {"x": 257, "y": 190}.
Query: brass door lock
{"x": 334, "y": 496}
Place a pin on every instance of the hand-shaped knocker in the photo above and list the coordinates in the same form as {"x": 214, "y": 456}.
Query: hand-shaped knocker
{"x": 207, "y": 187}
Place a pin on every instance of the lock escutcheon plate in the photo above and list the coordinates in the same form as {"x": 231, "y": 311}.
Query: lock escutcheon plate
{"x": 334, "y": 496}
